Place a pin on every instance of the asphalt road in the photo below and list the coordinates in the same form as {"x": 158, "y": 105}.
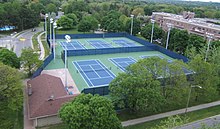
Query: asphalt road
{"x": 24, "y": 40}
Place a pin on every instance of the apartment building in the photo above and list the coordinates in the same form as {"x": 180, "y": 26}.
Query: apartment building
{"x": 198, "y": 26}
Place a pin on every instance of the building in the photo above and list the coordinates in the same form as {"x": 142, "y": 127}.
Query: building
{"x": 198, "y": 26}
{"x": 45, "y": 96}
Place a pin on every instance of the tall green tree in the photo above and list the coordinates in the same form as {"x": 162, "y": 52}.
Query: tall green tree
{"x": 138, "y": 89}
{"x": 84, "y": 26}
{"x": 136, "y": 26}
{"x": 10, "y": 87}
{"x": 89, "y": 112}
{"x": 29, "y": 60}
{"x": 65, "y": 22}
{"x": 73, "y": 17}
{"x": 9, "y": 58}
{"x": 146, "y": 32}
{"x": 51, "y": 8}
{"x": 206, "y": 75}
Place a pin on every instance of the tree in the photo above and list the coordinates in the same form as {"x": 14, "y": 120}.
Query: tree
{"x": 112, "y": 15}
{"x": 29, "y": 60}
{"x": 146, "y": 32}
{"x": 89, "y": 112}
{"x": 9, "y": 58}
{"x": 51, "y": 8}
{"x": 206, "y": 75}
{"x": 73, "y": 17}
{"x": 138, "y": 11}
{"x": 178, "y": 40}
{"x": 195, "y": 41}
{"x": 84, "y": 26}
{"x": 65, "y": 22}
{"x": 136, "y": 26}
{"x": 92, "y": 21}
{"x": 115, "y": 26}
{"x": 10, "y": 87}
{"x": 137, "y": 89}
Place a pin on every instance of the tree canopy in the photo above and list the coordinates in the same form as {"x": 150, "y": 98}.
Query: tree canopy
{"x": 11, "y": 87}
{"x": 89, "y": 112}
{"x": 29, "y": 60}
{"x": 9, "y": 58}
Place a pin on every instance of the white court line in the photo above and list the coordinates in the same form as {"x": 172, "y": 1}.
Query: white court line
{"x": 94, "y": 70}
{"x": 108, "y": 71}
{"x": 84, "y": 73}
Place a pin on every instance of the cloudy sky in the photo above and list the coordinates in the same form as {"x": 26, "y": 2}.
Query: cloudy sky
{"x": 206, "y": 0}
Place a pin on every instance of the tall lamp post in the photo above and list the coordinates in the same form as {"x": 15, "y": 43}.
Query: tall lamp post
{"x": 68, "y": 39}
{"x": 152, "y": 32}
{"x": 54, "y": 42}
{"x": 169, "y": 26}
{"x": 46, "y": 16}
{"x": 51, "y": 22}
{"x": 209, "y": 37}
{"x": 190, "y": 90}
{"x": 132, "y": 22}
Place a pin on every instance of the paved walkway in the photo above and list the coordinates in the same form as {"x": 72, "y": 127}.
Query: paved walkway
{"x": 42, "y": 51}
{"x": 167, "y": 114}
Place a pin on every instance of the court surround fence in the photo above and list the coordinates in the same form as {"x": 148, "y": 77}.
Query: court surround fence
{"x": 147, "y": 46}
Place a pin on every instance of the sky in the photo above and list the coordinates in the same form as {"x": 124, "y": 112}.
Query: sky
{"x": 205, "y": 0}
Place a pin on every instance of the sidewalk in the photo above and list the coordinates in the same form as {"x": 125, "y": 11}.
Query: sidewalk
{"x": 167, "y": 114}
{"x": 42, "y": 51}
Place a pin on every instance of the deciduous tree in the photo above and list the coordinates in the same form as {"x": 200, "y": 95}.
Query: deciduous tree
{"x": 89, "y": 112}
{"x": 9, "y": 58}
{"x": 29, "y": 60}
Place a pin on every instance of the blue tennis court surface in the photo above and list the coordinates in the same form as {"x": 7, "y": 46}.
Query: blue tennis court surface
{"x": 99, "y": 44}
{"x": 73, "y": 45}
{"x": 123, "y": 62}
{"x": 156, "y": 55}
{"x": 124, "y": 43}
{"x": 94, "y": 72}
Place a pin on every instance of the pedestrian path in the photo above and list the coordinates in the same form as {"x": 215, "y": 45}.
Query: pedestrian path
{"x": 42, "y": 51}
{"x": 167, "y": 114}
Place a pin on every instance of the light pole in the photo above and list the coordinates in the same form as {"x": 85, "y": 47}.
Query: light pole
{"x": 169, "y": 26}
{"x": 190, "y": 90}
{"x": 54, "y": 38}
{"x": 51, "y": 22}
{"x": 152, "y": 32}
{"x": 132, "y": 21}
{"x": 209, "y": 36}
{"x": 68, "y": 39}
{"x": 46, "y": 16}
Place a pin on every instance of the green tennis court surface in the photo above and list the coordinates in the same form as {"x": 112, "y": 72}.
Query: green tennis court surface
{"x": 97, "y": 43}
{"x": 105, "y": 59}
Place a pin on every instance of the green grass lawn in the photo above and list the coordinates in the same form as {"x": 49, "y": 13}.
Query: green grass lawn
{"x": 193, "y": 116}
{"x": 35, "y": 42}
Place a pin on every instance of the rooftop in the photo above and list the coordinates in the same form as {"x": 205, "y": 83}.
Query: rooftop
{"x": 47, "y": 96}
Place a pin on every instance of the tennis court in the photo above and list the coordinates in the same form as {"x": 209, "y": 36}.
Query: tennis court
{"x": 94, "y": 72}
{"x": 156, "y": 55}
{"x": 99, "y": 44}
{"x": 73, "y": 45}
{"x": 124, "y": 43}
{"x": 123, "y": 62}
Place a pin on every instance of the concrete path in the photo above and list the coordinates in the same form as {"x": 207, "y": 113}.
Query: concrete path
{"x": 167, "y": 114}
{"x": 208, "y": 122}
{"x": 42, "y": 51}
{"x": 27, "y": 123}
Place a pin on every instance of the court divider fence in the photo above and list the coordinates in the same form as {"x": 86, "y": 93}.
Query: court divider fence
{"x": 147, "y": 46}
{"x": 96, "y": 90}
